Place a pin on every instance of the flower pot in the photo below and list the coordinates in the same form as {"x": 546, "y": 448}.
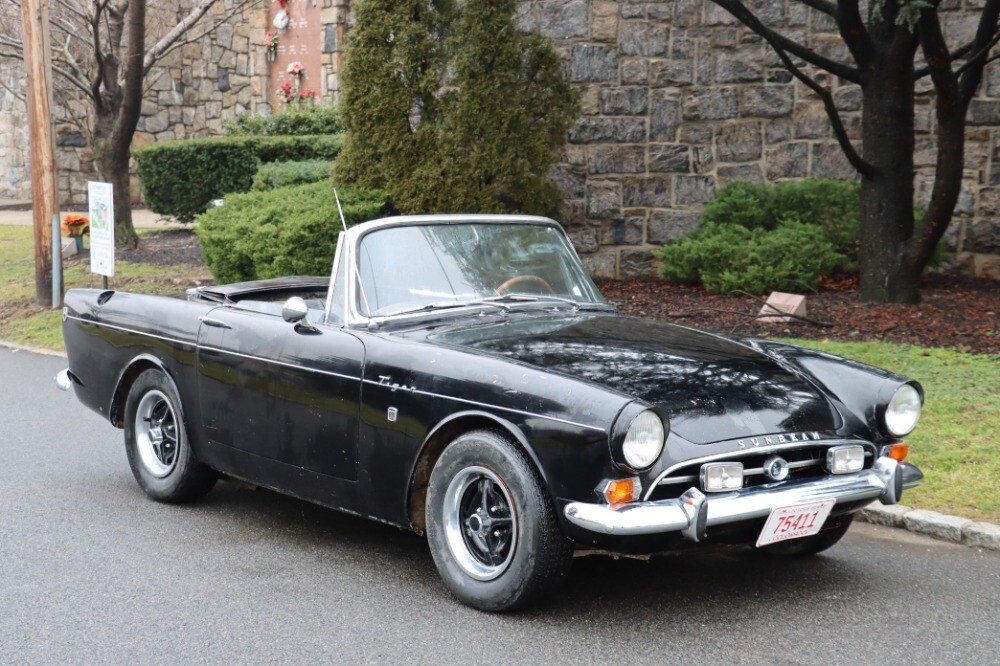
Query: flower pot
{"x": 271, "y": 56}
{"x": 79, "y": 243}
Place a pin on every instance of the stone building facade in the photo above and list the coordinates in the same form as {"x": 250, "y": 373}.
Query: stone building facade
{"x": 678, "y": 99}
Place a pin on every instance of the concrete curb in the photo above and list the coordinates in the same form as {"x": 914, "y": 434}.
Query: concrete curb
{"x": 972, "y": 533}
{"x": 29, "y": 348}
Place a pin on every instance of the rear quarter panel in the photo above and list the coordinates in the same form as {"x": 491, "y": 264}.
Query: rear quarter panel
{"x": 105, "y": 331}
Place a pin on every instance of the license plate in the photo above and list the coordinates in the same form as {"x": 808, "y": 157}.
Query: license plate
{"x": 795, "y": 521}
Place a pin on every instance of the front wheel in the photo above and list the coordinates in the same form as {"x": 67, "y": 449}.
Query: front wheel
{"x": 156, "y": 442}
{"x": 491, "y": 527}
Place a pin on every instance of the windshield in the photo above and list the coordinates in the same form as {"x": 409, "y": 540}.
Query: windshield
{"x": 418, "y": 267}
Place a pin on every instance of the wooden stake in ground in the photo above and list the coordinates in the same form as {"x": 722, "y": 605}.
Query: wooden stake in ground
{"x": 45, "y": 196}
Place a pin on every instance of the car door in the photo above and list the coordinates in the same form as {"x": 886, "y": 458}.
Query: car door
{"x": 286, "y": 392}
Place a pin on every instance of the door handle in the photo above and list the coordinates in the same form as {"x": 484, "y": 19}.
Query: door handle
{"x": 208, "y": 321}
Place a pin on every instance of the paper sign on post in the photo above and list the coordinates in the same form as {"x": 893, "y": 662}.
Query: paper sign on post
{"x": 102, "y": 228}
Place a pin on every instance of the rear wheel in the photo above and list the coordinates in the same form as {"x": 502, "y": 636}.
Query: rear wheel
{"x": 491, "y": 527}
{"x": 814, "y": 544}
{"x": 156, "y": 442}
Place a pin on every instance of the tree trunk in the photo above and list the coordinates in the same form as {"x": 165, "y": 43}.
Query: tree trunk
{"x": 113, "y": 168}
{"x": 887, "y": 274}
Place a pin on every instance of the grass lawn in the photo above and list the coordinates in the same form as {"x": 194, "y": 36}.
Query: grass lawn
{"x": 24, "y": 322}
{"x": 957, "y": 442}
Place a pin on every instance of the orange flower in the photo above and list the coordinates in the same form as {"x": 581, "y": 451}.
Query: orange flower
{"x": 76, "y": 224}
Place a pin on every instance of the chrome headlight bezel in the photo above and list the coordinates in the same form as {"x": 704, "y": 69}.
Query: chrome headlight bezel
{"x": 644, "y": 440}
{"x": 902, "y": 412}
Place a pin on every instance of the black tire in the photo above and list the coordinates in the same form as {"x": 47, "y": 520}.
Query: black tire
{"x": 523, "y": 554}
{"x": 157, "y": 445}
{"x": 814, "y": 544}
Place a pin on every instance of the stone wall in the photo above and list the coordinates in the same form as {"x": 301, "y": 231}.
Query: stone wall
{"x": 15, "y": 176}
{"x": 679, "y": 98}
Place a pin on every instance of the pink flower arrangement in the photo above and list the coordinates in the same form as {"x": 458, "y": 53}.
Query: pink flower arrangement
{"x": 296, "y": 69}
{"x": 271, "y": 42}
{"x": 284, "y": 92}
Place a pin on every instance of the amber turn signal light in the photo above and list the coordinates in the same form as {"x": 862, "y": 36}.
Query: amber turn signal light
{"x": 622, "y": 490}
{"x": 899, "y": 451}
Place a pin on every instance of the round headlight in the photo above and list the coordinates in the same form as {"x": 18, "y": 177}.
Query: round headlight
{"x": 644, "y": 440}
{"x": 903, "y": 411}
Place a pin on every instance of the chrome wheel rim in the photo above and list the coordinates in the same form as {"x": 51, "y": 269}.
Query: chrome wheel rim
{"x": 480, "y": 523}
{"x": 156, "y": 434}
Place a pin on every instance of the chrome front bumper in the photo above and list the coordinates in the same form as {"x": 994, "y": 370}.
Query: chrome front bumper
{"x": 693, "y": 512}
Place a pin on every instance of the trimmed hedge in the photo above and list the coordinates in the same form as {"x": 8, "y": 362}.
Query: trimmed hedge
{"x": 282, "y": 174}
{"x": 180, "y": 178}
{"x": 285, "y": 231}
{"x": 761, "y": 237}
{"x": 291, "y": 122}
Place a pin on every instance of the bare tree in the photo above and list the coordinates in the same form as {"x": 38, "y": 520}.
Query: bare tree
{"x": 883, "y": 60}
{"x": 100, "y": 61}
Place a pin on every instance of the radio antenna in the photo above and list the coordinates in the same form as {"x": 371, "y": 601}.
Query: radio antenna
{"x": 341, "y": 210}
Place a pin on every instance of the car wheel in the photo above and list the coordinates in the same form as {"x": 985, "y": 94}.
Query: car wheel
{"x": 814, "y": 544}
{"x": 157, "y": 445}
{"x": 491, "y": 527}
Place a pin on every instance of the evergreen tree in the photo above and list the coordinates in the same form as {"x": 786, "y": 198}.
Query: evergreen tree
{"x": 466, "y": 116}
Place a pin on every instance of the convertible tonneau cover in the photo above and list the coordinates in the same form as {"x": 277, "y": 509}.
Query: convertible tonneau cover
{"x": 228, "y": 292}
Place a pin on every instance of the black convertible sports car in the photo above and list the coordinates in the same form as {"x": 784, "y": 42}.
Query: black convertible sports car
{"x": 461, "y": 376}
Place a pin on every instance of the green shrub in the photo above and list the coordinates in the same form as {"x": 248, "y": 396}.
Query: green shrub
{"x": 285, "y": 231}
{"x": 451, "y": 108}
{"x": 180, "y": 178}
{"x": 282, "y": 174}
{"x": 726, "y": 257}
{"x": 291, "y": 122}
{"x": 832, "y": 205}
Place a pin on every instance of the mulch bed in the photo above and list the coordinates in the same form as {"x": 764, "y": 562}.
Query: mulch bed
{"x": 956, "y": 311}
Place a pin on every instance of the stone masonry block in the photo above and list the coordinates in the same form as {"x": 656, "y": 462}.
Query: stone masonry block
{"x": 616, "y": 159}
{"x": 604, "y": 199}
{"x": 981, "y": 535}
{"x": 738, "y": 142}
{"x": 935, "y": 524}
{"x": 711, "y": 104}
{"x": 666, "y": 226}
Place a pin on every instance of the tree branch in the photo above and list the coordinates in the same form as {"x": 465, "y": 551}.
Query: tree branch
{"x": 852, "y": 29}
{"x": 777, "y": 40}
{"x": 822, "y": 6}
{"x": 961, "y": 51}
{"x": 239, "y": 8}
{"x": 950, "y": 113}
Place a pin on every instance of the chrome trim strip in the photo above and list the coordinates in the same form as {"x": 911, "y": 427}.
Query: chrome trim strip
{"x": 338, "y": 375}
{"x": 293, "y": 366}
{"x": 132, "y": 330}
{"x": 487, "y": 405}
{"x": 736, "y": 455}
{"x": 637, "y": 518}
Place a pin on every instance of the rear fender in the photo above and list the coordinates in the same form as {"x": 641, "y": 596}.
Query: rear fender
{"x": 132, "y": 370}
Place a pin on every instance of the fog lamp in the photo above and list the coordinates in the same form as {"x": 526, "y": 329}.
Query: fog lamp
{"x": 720, "y": 477}
{"x": 622, "y": 490}
{"x": 845, "y": 459}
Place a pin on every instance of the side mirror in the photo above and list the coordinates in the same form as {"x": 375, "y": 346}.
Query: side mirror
{"x": 294, "y": 310}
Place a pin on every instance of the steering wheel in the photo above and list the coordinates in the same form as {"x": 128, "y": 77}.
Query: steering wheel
{"x": 520, "y": 279}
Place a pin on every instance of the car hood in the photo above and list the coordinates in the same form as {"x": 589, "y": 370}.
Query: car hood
{"x": 713, "y": 389}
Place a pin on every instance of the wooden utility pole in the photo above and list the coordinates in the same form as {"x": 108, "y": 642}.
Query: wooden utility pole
{"x": 44, "y": 191}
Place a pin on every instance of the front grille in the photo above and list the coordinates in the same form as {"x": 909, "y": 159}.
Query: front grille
{"x": 803, "y": 462}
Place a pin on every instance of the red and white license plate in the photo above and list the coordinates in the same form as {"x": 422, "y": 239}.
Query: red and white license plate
{"x": 795, "y": 521}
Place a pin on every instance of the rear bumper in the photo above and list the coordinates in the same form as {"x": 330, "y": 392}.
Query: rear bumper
{"x": 693, "y": 512}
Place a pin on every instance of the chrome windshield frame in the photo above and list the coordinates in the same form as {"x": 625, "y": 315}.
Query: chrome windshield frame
{"x": 350, "y": 242}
